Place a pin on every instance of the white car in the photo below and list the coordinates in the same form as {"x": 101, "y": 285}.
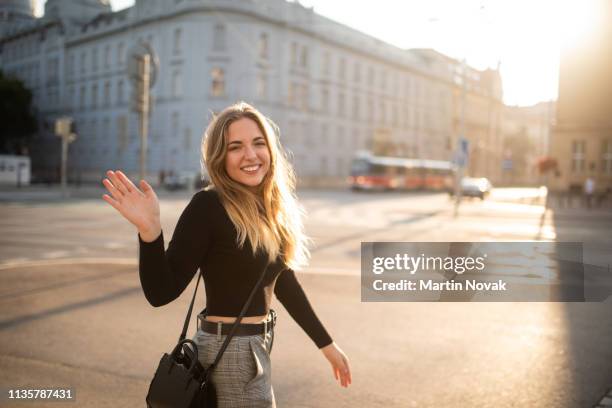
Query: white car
{"x": 475, "y": 187}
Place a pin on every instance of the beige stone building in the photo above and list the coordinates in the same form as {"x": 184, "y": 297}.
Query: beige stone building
{"x": 582, "y": 136}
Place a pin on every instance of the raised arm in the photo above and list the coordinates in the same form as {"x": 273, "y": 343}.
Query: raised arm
{"x": 164, "y": 275}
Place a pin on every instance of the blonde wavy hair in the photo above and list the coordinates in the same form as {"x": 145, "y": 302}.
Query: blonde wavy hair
{"x": 271, "y": 217}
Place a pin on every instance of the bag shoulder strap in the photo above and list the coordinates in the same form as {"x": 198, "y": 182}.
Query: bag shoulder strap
{"x": 236, "y": 323}
{"x": 188, "y": 317}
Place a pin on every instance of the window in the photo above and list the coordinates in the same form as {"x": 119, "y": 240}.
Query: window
{"x": 395, "y": 113}
{"x": 294, "y": 51}
{"x": 176, "y": 50}
{"x": 94, "y": 96}
{"x": 370, "y": 76}
{"x": 217, "y": 82}
{"x": 120, "y": 92}
{"x": 107, "y": 87}
{"x": 323, "y": 166}
{"x": 94, "y": 59}
{"x": 105, "y": 128}
{"x": 263, "y": 46}
{"x": 356, "y": 107}
{"x": 107, "y": 56}
{"x": 325, "y": 100}
{"x": 262, "y": 86}
{"x": 177, "y": 86}
{"x": 324, "y": 134}
{"x": 341, "y": 103}
{"x": 175, "y": 124}
{"x": 357, "y": 72}
{"x": 326, "y": 63}
{"x": 578, "y": 158}
{"x": 342, "y": 69}
{"x": 606, "y": 162}
{"x": 83, "y": 61}
{"x": 70, "y": 102}
{"x": 219, "y": 37}
{"x": 82, "y": 97}
{"x": 304, "y": 57}
{"x": 121, "y": 53}
{"x": 71, "y": 64}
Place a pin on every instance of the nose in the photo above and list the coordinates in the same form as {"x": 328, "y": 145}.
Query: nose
{"x": 249, "y": 153}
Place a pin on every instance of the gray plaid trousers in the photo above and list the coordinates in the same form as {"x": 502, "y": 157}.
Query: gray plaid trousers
{"x": 243, "y": 376}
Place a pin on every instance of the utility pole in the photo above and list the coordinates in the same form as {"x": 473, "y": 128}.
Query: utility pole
{"x": 63, "y": 129}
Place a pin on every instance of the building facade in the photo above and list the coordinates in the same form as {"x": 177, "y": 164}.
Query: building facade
{"x": 582, "y": 136}
{"x": 332, "y": 90}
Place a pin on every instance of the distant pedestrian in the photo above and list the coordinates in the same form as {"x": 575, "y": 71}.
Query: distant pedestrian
{"x": 589, "y": 190}
{"x": 246, "y": 221}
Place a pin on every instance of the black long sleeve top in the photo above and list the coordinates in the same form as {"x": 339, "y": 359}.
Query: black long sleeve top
{"x": 205, "y": 238}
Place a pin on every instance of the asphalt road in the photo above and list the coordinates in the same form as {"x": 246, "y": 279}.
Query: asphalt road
{"x": 73, "y": 314}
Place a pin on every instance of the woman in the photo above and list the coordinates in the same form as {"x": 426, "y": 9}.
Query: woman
{"x": 247, "y": 220}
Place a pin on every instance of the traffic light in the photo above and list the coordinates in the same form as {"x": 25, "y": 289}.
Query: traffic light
{"x": 139, "y": 72}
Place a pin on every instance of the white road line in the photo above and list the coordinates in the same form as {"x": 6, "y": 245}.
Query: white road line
{"x": 19, "y": 263}
{"x": 67, "y": 261}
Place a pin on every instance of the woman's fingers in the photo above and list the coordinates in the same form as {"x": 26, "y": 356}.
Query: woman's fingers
{"x": 112, "y": 189}
{"x": 126, "y": 181}
{"x": 117, "y": 183}
{"x": 347, "y": 368}
{"x": 146, "y": 188}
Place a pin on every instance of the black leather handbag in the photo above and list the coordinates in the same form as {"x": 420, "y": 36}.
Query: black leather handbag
{"x": 180, "y": 380}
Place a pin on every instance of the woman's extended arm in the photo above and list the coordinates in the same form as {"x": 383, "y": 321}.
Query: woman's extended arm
{"x": 290, "y": 293}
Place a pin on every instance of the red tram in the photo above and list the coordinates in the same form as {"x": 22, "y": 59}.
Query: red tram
{"x": 370, "y": 172}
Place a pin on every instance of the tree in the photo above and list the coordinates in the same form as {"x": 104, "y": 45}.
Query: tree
{"x": 18, "y": 122}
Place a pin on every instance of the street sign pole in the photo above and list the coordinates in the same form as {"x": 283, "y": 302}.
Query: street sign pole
{"x": 462, "y": 142}
{"x": 63, "y": 129}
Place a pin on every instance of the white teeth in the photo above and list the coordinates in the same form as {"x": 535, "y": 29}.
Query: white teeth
{"x": 251, "y": 168}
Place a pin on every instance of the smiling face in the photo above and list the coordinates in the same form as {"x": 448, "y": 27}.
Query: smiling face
{"x": 247, "y": 160}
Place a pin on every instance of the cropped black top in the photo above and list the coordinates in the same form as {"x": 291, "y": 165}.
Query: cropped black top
{"x": 205, "y": 238}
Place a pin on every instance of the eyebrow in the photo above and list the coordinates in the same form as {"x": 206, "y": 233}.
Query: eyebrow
{"x": 240, "y": 142}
